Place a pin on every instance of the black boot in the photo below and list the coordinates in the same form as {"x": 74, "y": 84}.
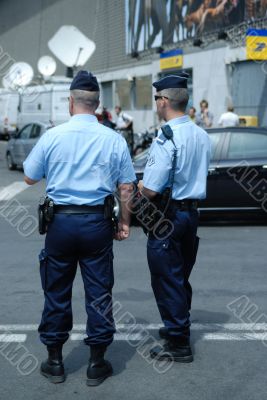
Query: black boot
{"x": 53, "y": 367}
{"x": 173, "y": 351}
{"x": 99, "y": 369}
{"x": 163, "y": 333}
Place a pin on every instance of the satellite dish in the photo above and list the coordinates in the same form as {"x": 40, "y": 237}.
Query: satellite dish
{"x": 5, "y": 83}
{"x": 71, "y": 46}
{"x": 47, "y": 66}
{"x": 20, "y": 74}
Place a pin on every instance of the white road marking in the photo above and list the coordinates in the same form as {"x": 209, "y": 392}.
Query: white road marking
{"x": 150, "y": 327}
{"x": 128, "y": 332}
{"x": 11, "y": 338}
{"x": 117, "y": 336}
{"x": 18, "y": 328}
{"x": 216, "y": 336}
{"x": 203, "y": 327}
{"x": 10, "y": 191}
{"x": 235, "y": 336}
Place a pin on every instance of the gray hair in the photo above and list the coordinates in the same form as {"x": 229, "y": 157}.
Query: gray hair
{"x": 88, "y": 100}
{"x": 178, "y": 98}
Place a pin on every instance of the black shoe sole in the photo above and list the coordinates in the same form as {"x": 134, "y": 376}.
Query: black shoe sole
{"x": 185, "y": 359}
{"x": 54, "y": 379}
{"x": 98, "y": 381}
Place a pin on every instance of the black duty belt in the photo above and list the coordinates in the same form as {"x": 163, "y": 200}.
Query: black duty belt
{"x": 187, "y": 204}
{"x": 72, "y": 209}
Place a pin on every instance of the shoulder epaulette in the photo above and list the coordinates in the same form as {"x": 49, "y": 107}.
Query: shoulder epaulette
{"x": 161, "y": 139}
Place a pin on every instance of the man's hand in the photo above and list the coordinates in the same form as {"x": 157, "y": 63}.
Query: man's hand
{"x": 123, "y": 232}
{"x": 140, "y": 186}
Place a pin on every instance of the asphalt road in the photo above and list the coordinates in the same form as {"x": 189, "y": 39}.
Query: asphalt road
{"x": 229, "y": 342}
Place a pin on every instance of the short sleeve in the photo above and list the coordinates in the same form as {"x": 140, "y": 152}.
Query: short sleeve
{"x": 34, "y": 165}
{"x": 127, "y": 117}
{"x": 126, "y": 172}
{"x": 158, "y": 167}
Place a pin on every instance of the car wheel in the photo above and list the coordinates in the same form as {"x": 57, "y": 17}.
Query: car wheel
{"x": 10, "y": 164}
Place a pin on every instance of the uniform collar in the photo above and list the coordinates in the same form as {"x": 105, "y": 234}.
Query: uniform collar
{"x": 179, "y": 120}
{"x": 84, "y": 117}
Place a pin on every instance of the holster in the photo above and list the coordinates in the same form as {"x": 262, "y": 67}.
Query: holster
{"x": 162, "y": 200}
{"x": 109, "y": 212}
{"x": 45, "y": 214}
{"x": 150, "y": 213}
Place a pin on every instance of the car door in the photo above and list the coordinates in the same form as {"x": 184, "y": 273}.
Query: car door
{"x": 18, "y": 151}
{"x": 243, "y": 169}
{"x": 30, "y": 142}
{"x": 217, "y": 142}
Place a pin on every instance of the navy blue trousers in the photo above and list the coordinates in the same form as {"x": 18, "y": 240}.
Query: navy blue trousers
{"x": 170, "y": 262}
{"x": 71, "y": 239}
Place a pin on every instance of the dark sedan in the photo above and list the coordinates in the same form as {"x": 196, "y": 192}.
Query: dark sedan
{"x": 237, "y": 179}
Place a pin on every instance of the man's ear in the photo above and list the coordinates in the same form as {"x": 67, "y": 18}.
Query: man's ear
{"x": 71, "y": 105}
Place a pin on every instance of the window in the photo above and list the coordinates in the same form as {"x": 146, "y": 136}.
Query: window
{"x": 36, "y": 131}
{"x": 215, "y": 138}
{"x": 124, "y": 92}
{"x": 143, "y": 92}
{"x": 25, "y": 132}
{"x": 247, "y": 145}
{"x": 107, "y": 95}
{"x": 135, "y": 93}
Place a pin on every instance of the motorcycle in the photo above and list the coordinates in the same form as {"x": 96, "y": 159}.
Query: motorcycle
{"x": 143, "y": 140}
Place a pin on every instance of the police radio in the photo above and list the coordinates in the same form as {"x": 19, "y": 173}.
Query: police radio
{"x": 166, "y": 196}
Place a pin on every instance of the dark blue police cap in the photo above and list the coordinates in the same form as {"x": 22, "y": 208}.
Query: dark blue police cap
{"x": 172, "y": 82}
{"x": 84, "y": 80}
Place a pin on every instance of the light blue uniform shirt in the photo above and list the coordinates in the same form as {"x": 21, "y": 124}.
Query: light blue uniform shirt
{"x": 82, "y": 161}
{"x": 193, "y": 158}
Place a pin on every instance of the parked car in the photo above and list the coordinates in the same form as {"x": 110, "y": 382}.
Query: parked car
{"x": 237, "y": 178}
{"x": 22, "y": 142}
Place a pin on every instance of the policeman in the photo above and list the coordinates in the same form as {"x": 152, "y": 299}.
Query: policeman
{"x": 83, "y": 163}
{"x": 171, "y": 258}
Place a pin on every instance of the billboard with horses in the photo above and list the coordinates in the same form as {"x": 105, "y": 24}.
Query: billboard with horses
{"x": 154, "y": 23}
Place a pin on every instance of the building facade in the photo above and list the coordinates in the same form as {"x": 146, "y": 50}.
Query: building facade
{"x": 126, "y": 66}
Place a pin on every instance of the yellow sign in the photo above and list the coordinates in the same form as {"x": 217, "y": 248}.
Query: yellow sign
{"x": 171, "y": 59}
{"x": 256, "y": 44}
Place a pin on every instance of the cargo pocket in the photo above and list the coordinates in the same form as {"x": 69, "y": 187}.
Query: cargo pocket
{"x": 110, "y": 269}
{"x": 111, "y": 257}
{"x": 158, "y": 252}
{"x": 43, "y": 268}
{"x": 107, "y": 271}
{"x": 194, "y": 255}
{"x": 159, "y": 245}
